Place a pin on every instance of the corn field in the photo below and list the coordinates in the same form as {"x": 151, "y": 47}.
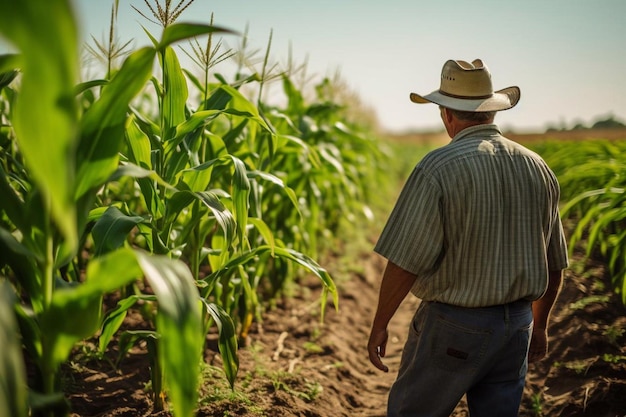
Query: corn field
{"x": 592, "y": 175}
{"x": 176, "y": 190}
{"x": 186, "y": 193}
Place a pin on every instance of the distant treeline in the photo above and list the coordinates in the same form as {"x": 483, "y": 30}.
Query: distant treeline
{"x": 607, "y": 123}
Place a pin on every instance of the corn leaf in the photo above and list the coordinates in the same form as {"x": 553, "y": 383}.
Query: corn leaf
{"x": 13, "y": 387}
{"x": 23, "y": 263}
{"x": 316, "y": 269}
{"x": 180, "y": 325}
{"x": 75, "y": 311}
{"x": 224, "y": 218}
{"x": 232, "y": 102}
{"x": 581, "y": 197}
{"x": 241, "y": 196}
{"x": 295, "y": 103}
{"x": 227, "y": 340}
{"x": 47, "y": 37}
{"x": 103, "y": 125}
{"x": 82, "y": 87}
{"x": 175, "y": 93}
{"x": 299, "y": 258}
{"x": 115, "y": 318}
{"x": 129, "y": 337}
{"x": 291, "y": 195}
{"x": 8, "y": 63}
{"x": 194, "y": 122}
{"x": 265, "y": 232}
{"x": 11, "y": 204}
{"x": 72, "y": 316}
{"x": 250, "y": 300}
{"x": 134, "y": 171}
{"x": 598, "y": 231}
{"x": 6, "y": 77}
{"x": 112, "y": 229}
{"x": 582, "y": 226}
{"x": 140, "y": 155}
{"x": 181, "y": 31}
{"x": 138, "y": 144}
{"x": 309, "y": 151}
{"x": 198, "y": 178}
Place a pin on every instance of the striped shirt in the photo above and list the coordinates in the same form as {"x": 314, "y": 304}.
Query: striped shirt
{"x": 478, "y": 222}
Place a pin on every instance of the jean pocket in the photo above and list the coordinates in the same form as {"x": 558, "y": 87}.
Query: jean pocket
{"x": 419, "y": 320}
{"x": 458, "y": 348}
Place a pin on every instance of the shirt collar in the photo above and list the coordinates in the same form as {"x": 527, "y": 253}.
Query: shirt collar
{"x": 478, "y": 130}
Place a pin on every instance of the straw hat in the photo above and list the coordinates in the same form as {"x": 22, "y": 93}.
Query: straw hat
{"x": 467, "y": 87}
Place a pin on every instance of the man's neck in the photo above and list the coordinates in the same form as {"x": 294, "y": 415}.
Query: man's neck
{"x": 459, "y": 125}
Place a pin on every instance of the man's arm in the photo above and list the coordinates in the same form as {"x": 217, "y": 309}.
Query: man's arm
{"x": 396, "y": 284}
{"x": 541, "y": 314}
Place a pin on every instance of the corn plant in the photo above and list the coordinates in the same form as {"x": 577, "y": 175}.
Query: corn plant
{"x": 596, "y": 163}
{"x": 215, "y": 200}
{"x": 592, "y": 180}
{"x": 13, "y": 401}
{"x": 63, "y": 161}
{"x": 195, "y": 169}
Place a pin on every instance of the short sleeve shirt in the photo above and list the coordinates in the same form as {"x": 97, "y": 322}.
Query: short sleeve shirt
{"x": 477, "y": 222}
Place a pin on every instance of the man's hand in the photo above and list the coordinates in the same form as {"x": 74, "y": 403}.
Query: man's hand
{"x": 395, "y": 285}
{"x": 538, "y": 345}
{"x": 541, "y": 313}
{"x": 376, "y": 347}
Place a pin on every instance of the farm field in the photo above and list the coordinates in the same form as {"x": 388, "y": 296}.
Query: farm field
{"x": 173, "y": 243}
{"x": 293, "y": 366}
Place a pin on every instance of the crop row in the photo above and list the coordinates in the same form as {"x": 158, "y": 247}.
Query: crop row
{"x": 166, "y": 188}
{"x": 592, "y": 175}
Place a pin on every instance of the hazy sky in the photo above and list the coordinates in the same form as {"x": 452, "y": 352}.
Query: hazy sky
{"x": 567, "y": 56}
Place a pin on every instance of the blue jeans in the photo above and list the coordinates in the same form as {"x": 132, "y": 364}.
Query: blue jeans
{"x": 452, "y": 351}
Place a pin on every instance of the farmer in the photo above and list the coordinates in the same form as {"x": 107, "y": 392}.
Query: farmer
{"x": 476, "y": 235}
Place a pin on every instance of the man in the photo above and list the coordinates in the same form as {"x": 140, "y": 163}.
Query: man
{"x": 476, "y": 235}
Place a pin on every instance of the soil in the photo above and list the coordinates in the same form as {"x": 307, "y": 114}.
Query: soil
{"x": 292, "y": 365}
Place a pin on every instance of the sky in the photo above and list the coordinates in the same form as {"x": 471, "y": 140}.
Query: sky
{"x": 567, "y": 56}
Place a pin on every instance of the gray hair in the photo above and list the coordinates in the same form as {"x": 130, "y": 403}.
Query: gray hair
{"x": 470, "y": 116}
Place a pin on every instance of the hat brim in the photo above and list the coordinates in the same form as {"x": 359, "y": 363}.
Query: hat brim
{"x": 500, "y": 100}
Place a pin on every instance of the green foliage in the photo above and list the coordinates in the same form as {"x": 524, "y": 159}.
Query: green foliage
{"x": 48, "y": 67}
{"x": 537, "y": 404}
{"x": 592, "y": 175}
{"x": 282, "y": 381}
{"x": 614, "y": 333}
{"x": 215, "y": 205}
{"x": 609, "y": 358}
{"x": 50, "y": 197}
{"x": 13, "y": 389}
{"x": 585, "y": 301}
